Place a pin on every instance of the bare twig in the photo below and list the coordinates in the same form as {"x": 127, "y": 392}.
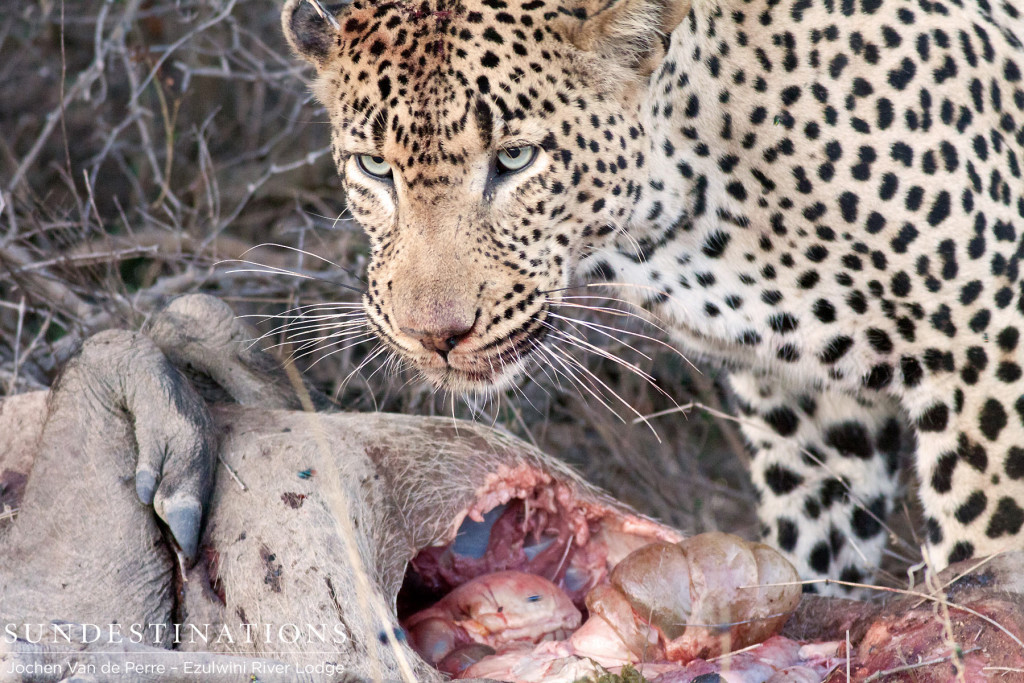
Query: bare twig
{"x": 7, "y": 514}
{"x": 955, "y": 657}
{"x": 89, "y": 259}
{"x": 231, "y": 471}
{"x": 17, "y": 343}
{"x": 81, "y": 85}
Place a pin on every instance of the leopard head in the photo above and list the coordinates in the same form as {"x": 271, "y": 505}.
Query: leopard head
{"x": 485, "y": 146}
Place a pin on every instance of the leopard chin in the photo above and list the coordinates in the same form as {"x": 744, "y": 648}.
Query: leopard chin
{"x": 490, "y": 369}
{"x": 472, "y": 382}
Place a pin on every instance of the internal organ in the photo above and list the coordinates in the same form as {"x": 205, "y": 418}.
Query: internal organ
{"x": 665, "y": 604}
{"x": 495, "y": 610}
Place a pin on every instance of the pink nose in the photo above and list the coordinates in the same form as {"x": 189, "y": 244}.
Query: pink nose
{"x": 439, "y": 326}
{"x": 441, "y": 341}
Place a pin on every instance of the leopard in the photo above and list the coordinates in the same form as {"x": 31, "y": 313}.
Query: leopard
{"x": 823, "y": 198}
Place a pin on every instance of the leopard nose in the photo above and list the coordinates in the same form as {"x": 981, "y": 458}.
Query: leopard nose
{"x": 441, "y": 341}
{"x": 437, "y": 320}
{"x": 439, "y": 330}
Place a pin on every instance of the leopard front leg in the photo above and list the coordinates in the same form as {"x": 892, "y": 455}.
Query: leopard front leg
{"x": 968, "y": 412}
{"x": 825, "y": 467}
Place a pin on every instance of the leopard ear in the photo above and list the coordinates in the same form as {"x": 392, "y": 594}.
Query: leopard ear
{"x": 311, "y": 28}
{"x": 634, "y": 33}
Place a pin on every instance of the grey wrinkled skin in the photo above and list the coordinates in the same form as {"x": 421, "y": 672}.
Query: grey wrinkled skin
{"x": 118, "y": 408}
{"x": 201, "y": 336}
{"x": 328, "y": 550}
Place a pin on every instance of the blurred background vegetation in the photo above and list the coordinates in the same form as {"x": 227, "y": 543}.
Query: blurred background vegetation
{"x": 145, "y": 144}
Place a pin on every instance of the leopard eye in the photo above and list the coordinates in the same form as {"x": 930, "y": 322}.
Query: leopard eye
{"x": 374, "y": 166}
{"x": 516, "y": 158}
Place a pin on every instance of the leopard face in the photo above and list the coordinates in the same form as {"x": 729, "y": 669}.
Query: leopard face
{"x": 482, "y": 151}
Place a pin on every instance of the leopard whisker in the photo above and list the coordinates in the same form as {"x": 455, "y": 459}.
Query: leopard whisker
{"x": 340, "y": 218}
{"x": 597, "y": 350}
{"x": 337, "y": 338}
{"x": 331, "y": 332}
{"x": 553, "y": 380}
{"x": 478, "y": 405}
{"x": 352, "y": 343}
{"x": 613, "y": 393}
{"x": 594, "y": 327}
{"x": 575, "y": 381}
{"x": 305, "y": 329}
{"x": 290, "y": 248}
{"x": 304, "y": 252}
{"x": 621, "y": 231}
{"x": 324, "y": 339}
{"x": 634, "y": 285}
{"x": 312, "y": 312}
{"x": 606, "y": 283}
{"x": 269, "y": 270}
{"x": 366, "y": 380}
{"x": 574, "y": 341}
{"x": 531, "y": 361}
{"x": 560, "y": 375}
{"x": 369, "y": 336}
{"x": 313, "y": 343}
{"x": 302, "y": 331}
{"x": 607, "y": 310}
{"x": 586, "y": 346}
{"x": 636, "y": 311}
{"x": 492, "y": 402}
{"x": 376, "y": 351}
{"x": 518, "y": 414}
{"x": 580, "y": 373}
{"x": 399, "y": 368}
{"x": 392, "y": 366}
{"x": 263, "y": 269}
{"x": 451, "y": 402}
{"x": 591, "y": 379}
{"x": 607, "y": 330}
{"x": 323, "y": 335}
{"x": 526, "y": 363}
{"x": 516, "y": 389}
{"x": 376, "y": 370}
{"x": 638, "y": 252}
{"x": 302, "y": 328}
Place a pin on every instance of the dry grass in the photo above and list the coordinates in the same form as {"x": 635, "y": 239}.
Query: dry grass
{"x": 143, "y": 142}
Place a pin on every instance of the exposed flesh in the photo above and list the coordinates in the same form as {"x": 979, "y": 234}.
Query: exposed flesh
{"x": 506, "y": 585}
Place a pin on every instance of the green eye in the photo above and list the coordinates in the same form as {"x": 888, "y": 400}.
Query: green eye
{"x": 375, "y": 166}
{"x": 516, "y": 158}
